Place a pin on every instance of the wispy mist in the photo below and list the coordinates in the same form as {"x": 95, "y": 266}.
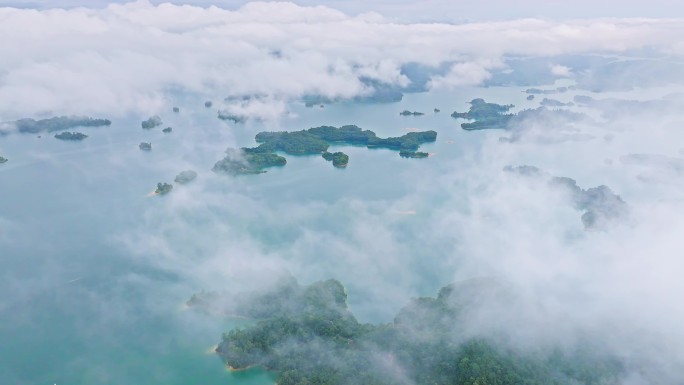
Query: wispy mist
{"x": 388, "y": 228}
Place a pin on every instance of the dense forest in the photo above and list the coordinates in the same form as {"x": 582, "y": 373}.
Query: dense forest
{"x": 307, "y": 335}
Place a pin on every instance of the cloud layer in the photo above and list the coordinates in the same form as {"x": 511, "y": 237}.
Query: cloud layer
{"x": 127, "y": 57}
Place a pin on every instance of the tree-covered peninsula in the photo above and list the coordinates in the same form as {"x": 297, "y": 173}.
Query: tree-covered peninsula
{"x": 307, "y": 335}
{"x": 75, "y": 136}
{"x": 58, "y": 123}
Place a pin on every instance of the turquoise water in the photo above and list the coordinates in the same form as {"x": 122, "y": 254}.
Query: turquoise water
{"x": 94, "y": 272}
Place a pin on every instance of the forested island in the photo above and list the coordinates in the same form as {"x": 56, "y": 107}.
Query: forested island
{"x": 152, "y": 122}
{"x": 317, "y": 140}
{"x": 66, "y": 135}
{"x": 163, "y": 188}
{"x": 145, "y": 146}
{"x": 176, "y": 109}
{"x": 486, "y": 115}
{"x": 339, "y": 159}
{"x": 59, "y": 123}
{"x": 413, "y": 154}
{"x": 496, "y": 116}
{"x": 239, "y": 162}
{"x": 411, "y": 113}
{"x": 185, "y": 177}
{"x": 313, "y": 141}
{"x": 307, "y": 335}
{"x": 224, "y": 115}
{"x": 167, "y": 130}
{"x": 3, "y": 160}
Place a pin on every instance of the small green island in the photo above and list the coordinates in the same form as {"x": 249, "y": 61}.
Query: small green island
{"x": 314, "y": 141}
{"x": 185, "y": 177}
{"x": 145, "y": 146}
{"x": 3, "y": 160}
{"x": 339, "y": 159}
{"x": 208, "y": 104}
{"x": 74, "y": 136}
{"x": 413, "y": 154}
{"x": 436, "y": 110}
{"x": 167, "y": 130}
{"x": 58, "y": 123}
{"x": 239, "y": 162}
{"x": 486, "y": 115}
{"x": 176, "y": 109}
{"x": 224, "y": 115}
{"x": 152, "y": 122}
{"x": 411, "y": 113}
{"x": 308, "y": 335}
{"x": 163, "y": 188}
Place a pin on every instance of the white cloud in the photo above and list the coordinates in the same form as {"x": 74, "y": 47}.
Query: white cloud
{"x": 462, "y": 74}
{"x": 122, "y": 58}
{"x": 560, "y": 70}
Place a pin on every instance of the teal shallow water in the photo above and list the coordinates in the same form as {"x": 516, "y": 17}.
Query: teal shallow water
{"x": 89, "y": 297}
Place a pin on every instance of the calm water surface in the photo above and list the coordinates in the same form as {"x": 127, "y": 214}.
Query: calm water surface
{"x": 83, "y": 302}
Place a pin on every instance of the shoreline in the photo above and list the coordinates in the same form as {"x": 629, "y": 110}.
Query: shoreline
{"x": 232, "y": 369}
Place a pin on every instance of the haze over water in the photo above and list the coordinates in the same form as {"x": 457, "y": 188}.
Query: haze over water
{"x": 95, "y": 272}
